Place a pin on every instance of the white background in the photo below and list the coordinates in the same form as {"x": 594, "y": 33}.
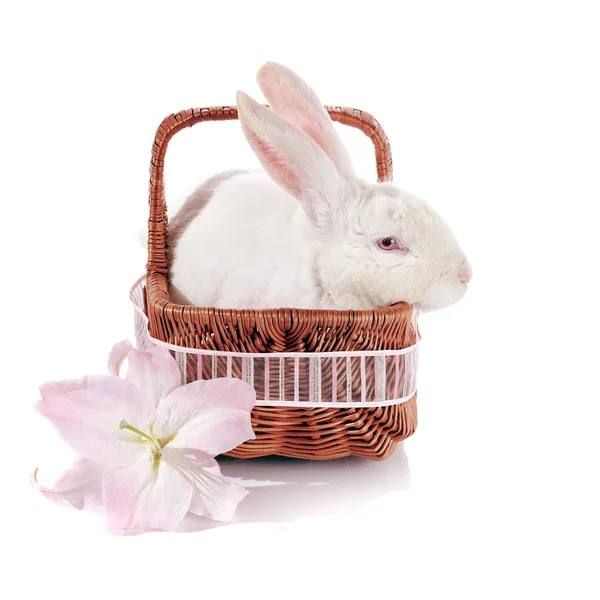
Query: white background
{"x": 493, "y": 110}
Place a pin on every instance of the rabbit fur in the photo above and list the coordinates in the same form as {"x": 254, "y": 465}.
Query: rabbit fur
{"x": 306, "y": 232}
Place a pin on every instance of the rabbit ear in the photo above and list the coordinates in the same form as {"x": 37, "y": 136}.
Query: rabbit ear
{"x": 291, "y": 159}
{"x": 291, "y": 97}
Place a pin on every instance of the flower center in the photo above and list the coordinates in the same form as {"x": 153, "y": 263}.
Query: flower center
{"x": 148, "y": 440}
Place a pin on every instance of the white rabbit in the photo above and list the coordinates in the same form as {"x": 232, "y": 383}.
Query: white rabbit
{"x": 307, "y": 233}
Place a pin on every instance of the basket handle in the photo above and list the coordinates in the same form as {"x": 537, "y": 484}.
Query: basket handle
{"x": 158, "y": 260}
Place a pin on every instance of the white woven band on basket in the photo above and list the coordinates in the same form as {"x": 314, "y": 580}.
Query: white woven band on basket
{"x": 307, "y": 379}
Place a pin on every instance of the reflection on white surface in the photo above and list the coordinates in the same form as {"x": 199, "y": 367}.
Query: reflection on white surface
{"x": 285, "y": 489}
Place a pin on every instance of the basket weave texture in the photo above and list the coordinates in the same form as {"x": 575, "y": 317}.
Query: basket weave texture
{"x": 308, "y": 433}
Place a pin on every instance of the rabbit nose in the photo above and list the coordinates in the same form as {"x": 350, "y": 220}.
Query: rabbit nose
{"x": 465, "y": 273}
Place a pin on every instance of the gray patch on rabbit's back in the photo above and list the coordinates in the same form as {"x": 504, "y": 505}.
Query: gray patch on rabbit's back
{"x": 194, "y": 204}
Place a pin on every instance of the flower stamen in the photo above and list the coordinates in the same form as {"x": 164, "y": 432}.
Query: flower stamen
{"x": 125, "y": 425}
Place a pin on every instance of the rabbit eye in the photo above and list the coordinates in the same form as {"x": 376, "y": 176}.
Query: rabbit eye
{"x": 389, "y": 244}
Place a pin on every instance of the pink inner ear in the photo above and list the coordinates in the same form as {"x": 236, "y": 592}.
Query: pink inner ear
{"x": 272, "y": 162}
{"x": 315, "y": 132}
{"x": 281, "y": 99}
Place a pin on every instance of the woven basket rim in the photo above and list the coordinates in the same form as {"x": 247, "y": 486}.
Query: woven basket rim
{"x": 366, "y": 315}
{"x": 140, "y": 284}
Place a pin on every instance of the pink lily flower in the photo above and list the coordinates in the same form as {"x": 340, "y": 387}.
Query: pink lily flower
{"x": 147, "y": 443}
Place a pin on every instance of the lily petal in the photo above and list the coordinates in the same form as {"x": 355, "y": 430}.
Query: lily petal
{"x": 212, "y": 416}
{"x": 117, "y": 356}
{"x": 145, "y": 496}
{"x": 87, "y": 413}
{"x": 214, "y": 495}
{"x": 153, "y": 371}
{"x": 80, "y": 486}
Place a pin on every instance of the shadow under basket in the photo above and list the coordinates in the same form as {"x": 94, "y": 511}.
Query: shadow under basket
{"x": 354, "y": 350}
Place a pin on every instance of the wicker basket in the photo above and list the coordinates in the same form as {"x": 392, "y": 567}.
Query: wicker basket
{"x": 294, "y": 431}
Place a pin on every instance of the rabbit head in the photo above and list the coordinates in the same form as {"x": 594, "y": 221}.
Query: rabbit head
{"x": 374, "y": 244}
